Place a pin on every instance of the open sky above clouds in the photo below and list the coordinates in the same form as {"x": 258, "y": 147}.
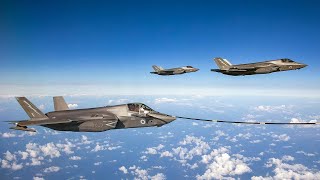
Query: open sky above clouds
{"x": 82, "y": 47}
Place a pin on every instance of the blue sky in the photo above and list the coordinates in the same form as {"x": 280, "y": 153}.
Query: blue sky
{"x": 81, "y": 47}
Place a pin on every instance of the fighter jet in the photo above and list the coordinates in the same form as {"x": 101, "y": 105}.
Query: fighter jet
{"x": 174, "y": 71}
{"x": 225, "y": 67}
{"x": 132, "y": 115}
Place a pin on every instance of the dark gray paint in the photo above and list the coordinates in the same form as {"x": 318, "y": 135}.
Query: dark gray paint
{"x": 173, "y": 71}
{"x": 133, "y": 115}
{"x": 265, "y": 67}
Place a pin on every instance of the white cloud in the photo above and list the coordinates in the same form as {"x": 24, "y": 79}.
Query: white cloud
{"x": 290, "y": 171}
{"x": 200, "y": 147}
{"x": 38, "y": 178}
{"x": 166, "y": 154}
{"x": 165, "y": 100}
{"x": 51, "y": 169}
{"x": 50, "y": 150}
{"x": 159, "y": 176}
{"x": 143, "y": 174}
{"x": 99, "y": 147}
{"x": 97, "y": 163}
{"x": 36, "y": 154}
{"x": 123, "y": 169}
{"x": 154, "y": 150}
{"x": 280, "y": 108}
{"x": 304, "y": 153}
{"x": 24, "y": 155}
{"x": 75, "y": 158}
{"x": 8, "y": 135}
{"x": 287, "y": 158}
{"x": 282, "y": 137}
{"x": 16, "y": 166}
{"x": 84, "y": 139}
{"x": 255, "y": 141}
{"x": 221, "y": 165}
{"x": 72, "y": 106}
{"x": 118, "y": 101}
{"x": 42, "y": 107}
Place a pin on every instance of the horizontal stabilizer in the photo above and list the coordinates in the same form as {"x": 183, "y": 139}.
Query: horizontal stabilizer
{"x": 42, "y": 122}
{"x": 23, "y": 128}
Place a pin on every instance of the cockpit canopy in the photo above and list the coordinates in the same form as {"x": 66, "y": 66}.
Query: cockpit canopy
{"x": 286, "y": 60}
{"x": 189, "y": 66}
{"x": 138, "y": 107}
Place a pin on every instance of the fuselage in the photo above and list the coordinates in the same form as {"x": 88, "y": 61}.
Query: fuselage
{"x": 176, "y": 71}
{"x": 108, "y": 117}
{"x": 261, "y": 67}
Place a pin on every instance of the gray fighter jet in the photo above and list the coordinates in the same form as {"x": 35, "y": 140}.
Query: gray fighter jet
{"x": 133, "y": 115}
{"x": 256, "y": 68}
{"x": 173, "y": 71}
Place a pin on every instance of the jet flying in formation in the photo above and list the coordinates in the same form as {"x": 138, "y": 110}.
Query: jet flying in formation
{"x": 132, "y": 115}
{"x": 225, "y": 67}
{"x": 173, "y": 71}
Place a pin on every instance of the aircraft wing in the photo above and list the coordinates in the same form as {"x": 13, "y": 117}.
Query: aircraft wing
{"x": 42, "y": 122}
{"x": 167, "y": 71}
{"x": 243, "y": 68}
{"x": 238, "y": 70}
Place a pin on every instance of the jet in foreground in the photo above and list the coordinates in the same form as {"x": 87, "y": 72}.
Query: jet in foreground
{"x": 173, "y": 71}
{"x": 225, "y": 67}
{"x": 133, "y": 115}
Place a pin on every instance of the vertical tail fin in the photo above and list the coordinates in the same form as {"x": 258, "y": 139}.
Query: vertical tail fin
{"x": 157, "y": 68}
{"x": 222, "y": 63}
{"x": 32, "y": 111}
{"x": 60, "y": 104}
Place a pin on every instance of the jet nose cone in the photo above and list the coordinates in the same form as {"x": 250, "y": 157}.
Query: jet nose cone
{"x": 300, "y": 66}
{"x": 164, "y": 117}
{"x": 196, "y": 69}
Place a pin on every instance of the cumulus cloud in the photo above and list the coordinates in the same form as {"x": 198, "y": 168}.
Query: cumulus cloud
{"x": 200, "y": 147}
{"x": 304, "y": 153}
{"x": 75, "y": 158}
{"x": 143, "y": 174}
{"x": 296, "y": 120}
{"x": 42, "y": 107}
{"x": 99, "y": 147}
{"x": 282, "y": 137}
{"x": 8, "y": 135}
{"x": 84, "y": 139}
{"x": 165, "y": 100}
{"x": 283, "y": 170}
{"x": 97, "y": 163}
{"x": 38, "y": 178}
{"x": 123, "y": 169}
{"x": 51, "y": 169}
{"x": 166, "y": 154}
{"x": 51, "y": 150}
{"x": 159, "y": 176}
{"x": 10, "y": 161}
{"x": 34, "y": 154}
{"x": 221, "y": 165}
{"x": 280, "y": 108}
{"x": 154, "y": 150}
{"x": 72, "y": 106}
{"x": 118, "y": 101}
